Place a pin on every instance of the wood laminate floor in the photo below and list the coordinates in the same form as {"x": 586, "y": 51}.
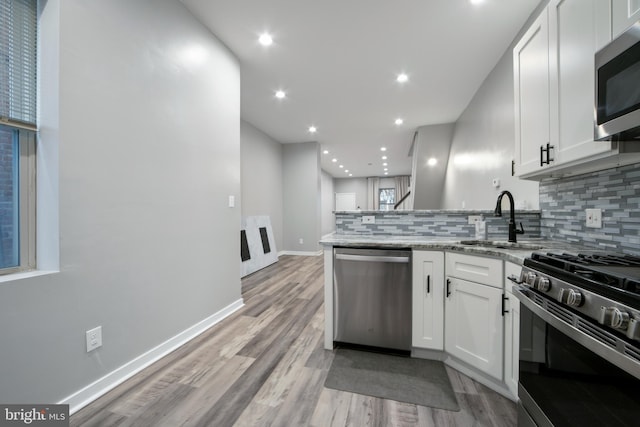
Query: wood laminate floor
{"x": 265, "y": 365}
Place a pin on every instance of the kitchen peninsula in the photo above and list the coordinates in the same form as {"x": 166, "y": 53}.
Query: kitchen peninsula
{"x": 462, "y": 308}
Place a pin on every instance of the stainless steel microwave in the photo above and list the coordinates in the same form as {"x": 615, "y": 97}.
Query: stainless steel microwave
{"x": 617, "y": 80}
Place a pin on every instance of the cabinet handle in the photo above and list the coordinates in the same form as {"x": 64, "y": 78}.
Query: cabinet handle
{"x": 428, "y": 285}
{"x": 513, "y": 167}
{"x": 546, "y": 150}
{"x": 504, "y": 298}
{"x": 448, "y": 291}
{"x": 541, "y": 157}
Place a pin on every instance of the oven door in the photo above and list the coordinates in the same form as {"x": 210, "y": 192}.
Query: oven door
{"x": 563, "y": 381}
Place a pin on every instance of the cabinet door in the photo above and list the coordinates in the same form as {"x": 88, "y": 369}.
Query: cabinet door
{"x": 474, "y": 325}
{"x": 531, "y": 90}
{"x": 511, "y": 342}
{"x": 625, "y": 13}
{"x": 428, "y": 300}
{"x": 577, "y": 28}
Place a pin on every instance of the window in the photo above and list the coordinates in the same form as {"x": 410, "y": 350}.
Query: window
{"x": 18, "y": 95}
{"x": 387, "y": 198}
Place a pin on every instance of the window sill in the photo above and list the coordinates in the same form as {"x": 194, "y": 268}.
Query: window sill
{"x": 25, "y": 275}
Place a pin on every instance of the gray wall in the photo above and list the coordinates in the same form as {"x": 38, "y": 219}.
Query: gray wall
{"x": 427, "y": 183}
{"x": 261, "y": 177}
{"x": 301, "y": 195}
{"x": 328, "y": 201}
{"x": 483, "y": 147}
{"x": 145, "y": 105}
{"x": 353, "y": 185}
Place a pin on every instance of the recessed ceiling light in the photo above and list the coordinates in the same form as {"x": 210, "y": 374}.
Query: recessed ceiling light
{"x": 346, "y": 171}
{"x": 312, "y": 129}
{"x": 402, "y": 77}
{"x": 350, "y": 174}
{"x": 432, "y": 161}
{"x": 265, "y": 39}
{"x": 385, "y": 164}
{"x": 386, "y": 173}
{"x": 384, "y": 157}
{"x": 341, "y": 166}
{"x": 383, "y": 148}
{"x": 334, "y": 160}
{"x": 476, "y": 1}
{"x": 399, "y": 122}
{"x": 280, "y": 94}
{"x": 325, "y": 152}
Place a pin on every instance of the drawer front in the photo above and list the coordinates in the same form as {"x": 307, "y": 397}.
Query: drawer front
{"x": 487, "y": 271}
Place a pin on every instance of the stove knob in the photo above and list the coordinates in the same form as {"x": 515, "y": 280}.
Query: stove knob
{"x": 570, "y": 297}
{"x": 542, "y": 284}
{"x": 574, "y": 298}
{"x": 531, "y": 278}
{"x": 611, "y": 316}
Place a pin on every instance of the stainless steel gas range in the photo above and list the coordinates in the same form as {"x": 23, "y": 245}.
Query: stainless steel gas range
{"x": 579, "y": 340}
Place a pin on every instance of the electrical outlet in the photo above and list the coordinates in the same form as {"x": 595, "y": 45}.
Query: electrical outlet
{"x": 94, "y": 338}
{"x": 594, "y": 218}
{"x": 368, "y": 219}
{"x": 474, "y": 218}
{"x": 495, "y": 182}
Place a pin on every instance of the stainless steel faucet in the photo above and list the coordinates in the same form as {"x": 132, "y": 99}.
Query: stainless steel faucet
{"x": 512, "y": 218}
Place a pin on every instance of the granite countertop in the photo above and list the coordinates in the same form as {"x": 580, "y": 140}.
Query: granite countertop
{"x": 500, "y": 249}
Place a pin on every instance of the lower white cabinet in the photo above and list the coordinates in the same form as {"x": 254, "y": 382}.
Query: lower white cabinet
{"x": 474, "y": 325}
{"x": 511, "y": 329}
{"x": 428, "y": 300}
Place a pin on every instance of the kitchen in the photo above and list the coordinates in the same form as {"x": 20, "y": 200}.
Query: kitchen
{"x": 136, "y": 295}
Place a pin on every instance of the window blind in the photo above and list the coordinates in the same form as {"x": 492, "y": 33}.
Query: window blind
{"x": 18, "y": 61}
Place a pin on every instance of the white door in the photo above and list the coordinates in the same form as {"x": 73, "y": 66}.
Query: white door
{"x": 511, "y": 343}
{"x": 531, "y": 91}
{"x": 625, "y": 13}
{"x": 577, "y": 29}
{"x": 428, "y": 300}
{"x": 474, "y": 325}
{"x": 345, "y": 202}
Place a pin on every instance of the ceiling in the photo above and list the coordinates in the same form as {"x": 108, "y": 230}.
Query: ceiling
{"x": 338, "y": 60}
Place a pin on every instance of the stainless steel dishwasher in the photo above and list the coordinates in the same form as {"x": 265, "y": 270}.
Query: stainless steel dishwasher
{"x": 372, "y": 297}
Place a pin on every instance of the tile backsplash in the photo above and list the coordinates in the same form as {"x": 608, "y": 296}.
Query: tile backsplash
{"x": 615, "y": 191}
{"x": 447, "y": 223}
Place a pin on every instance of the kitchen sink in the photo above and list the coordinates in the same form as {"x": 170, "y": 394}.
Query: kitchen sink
{"x": 501, "y": 245}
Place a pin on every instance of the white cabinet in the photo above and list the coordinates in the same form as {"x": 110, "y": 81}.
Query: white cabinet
{"x": 487, "y": 271}
{"x": 554, "y": 86}
{"x": 473, "y": 320}
{"x": 473, "y": 312}
{"x": 511, "y": 330}
{"x": 531, "y": 90}
{"x": 624, "y": 13}
{"x": 577, "y": 29}
{"x": 428, "y": 300}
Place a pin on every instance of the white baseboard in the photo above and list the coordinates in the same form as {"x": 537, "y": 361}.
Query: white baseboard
{"x": 88, "y": 394}
{"x": 300, "y": 253}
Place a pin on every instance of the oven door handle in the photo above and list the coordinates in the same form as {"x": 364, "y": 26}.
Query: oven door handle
{"x": 623, "y": 362}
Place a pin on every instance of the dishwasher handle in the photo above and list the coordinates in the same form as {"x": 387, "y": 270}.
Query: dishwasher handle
{"x": 374, "y": 258}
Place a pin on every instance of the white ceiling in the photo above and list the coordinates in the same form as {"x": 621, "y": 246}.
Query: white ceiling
{"x": 338, "y": 60}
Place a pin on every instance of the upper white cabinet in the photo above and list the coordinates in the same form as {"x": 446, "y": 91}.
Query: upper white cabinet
{"x": 428, "y": 300}
{"x": 625, "y": 13}
{"x": 531, "y": 86}
{"x": 577, "y": 29}
{"x": 554, "y": 90}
